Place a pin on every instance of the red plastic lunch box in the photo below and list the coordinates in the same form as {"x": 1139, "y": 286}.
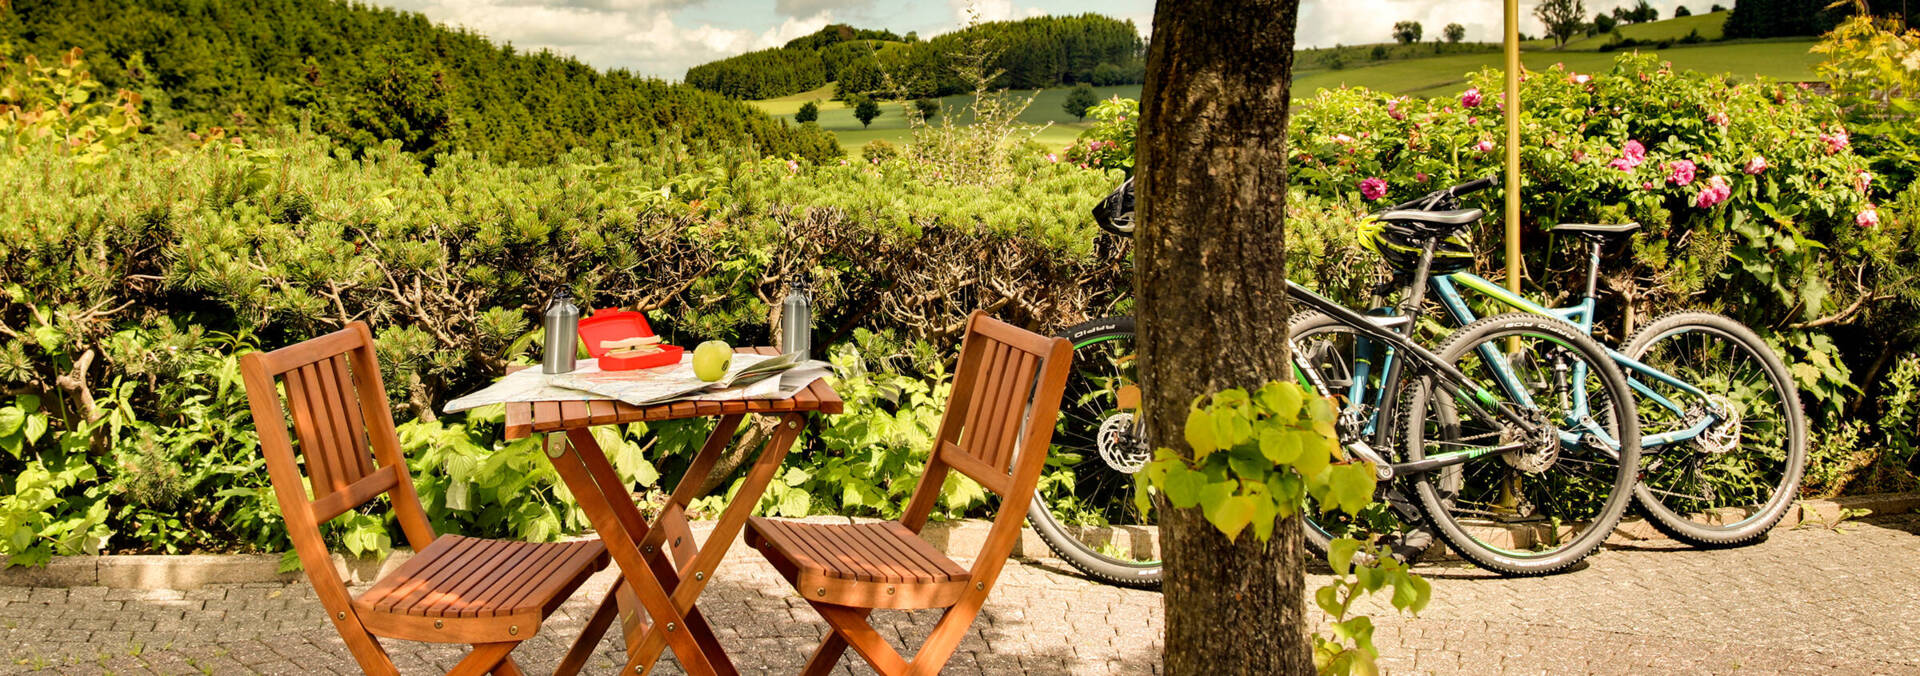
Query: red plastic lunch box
{"x": 607, "y": 325}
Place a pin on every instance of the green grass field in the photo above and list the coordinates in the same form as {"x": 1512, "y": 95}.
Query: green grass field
{"x": 1784, "y": 60}
{"x": 892, "y": 123}
{"x": 1434, "y": 76}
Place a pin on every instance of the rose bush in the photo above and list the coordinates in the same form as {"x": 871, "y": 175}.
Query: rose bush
{"x": 1754, "y": 198}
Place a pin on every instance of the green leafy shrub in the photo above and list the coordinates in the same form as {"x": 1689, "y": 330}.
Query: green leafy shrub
{"x": 1255, "y": 458}
{"x": 132, "y": 277}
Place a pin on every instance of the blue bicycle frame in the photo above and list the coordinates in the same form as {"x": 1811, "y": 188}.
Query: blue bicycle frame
{"x": 1447, "y": 288}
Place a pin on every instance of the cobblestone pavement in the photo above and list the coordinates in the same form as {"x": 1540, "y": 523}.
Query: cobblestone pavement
{"x": 1806, "y": 601}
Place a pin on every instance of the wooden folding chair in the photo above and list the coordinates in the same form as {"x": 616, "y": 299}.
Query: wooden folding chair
{"x": 492, "y": 594}
{"x": 998, "y": 425}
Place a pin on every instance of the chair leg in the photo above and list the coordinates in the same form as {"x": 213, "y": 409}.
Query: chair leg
{"x": 484, "y": 658}
{"x": 506, "y": 667}
{"x": 596, "y": 627}
{"x": 366, "y": 649}
{"x": 939, "y": 646}
{"x": 827, "y": 656}
{"x": 850, "y": 624}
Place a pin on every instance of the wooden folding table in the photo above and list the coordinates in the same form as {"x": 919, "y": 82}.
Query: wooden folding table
{"x": 667, "y": 590}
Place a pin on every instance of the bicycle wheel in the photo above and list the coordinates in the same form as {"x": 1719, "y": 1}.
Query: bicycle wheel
{"x": 1351, "y": 368}
{"x": 1728, "y": 483}
{"x": 1084, "y": 508}
{"x": 1550, "y": 504}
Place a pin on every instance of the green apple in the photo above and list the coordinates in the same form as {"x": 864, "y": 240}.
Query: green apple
{"x": 711, "y": 359}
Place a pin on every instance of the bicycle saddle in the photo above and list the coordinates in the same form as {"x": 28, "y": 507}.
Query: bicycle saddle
{"x": 1434, "y": 220}
{"x": 1597, "y": 228}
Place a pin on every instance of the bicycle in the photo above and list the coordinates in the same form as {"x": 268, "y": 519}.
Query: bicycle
{"x": 1724, "y": 439}
{"x": 1472, "y": 427}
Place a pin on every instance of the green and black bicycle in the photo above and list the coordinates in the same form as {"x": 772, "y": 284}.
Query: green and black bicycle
{"x": 1450, "y": 431}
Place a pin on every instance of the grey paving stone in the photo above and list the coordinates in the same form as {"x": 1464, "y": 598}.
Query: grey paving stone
{"x": 1806, "y": 601}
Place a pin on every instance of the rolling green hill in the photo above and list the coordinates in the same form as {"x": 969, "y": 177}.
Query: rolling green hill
{"x": 366, "y": 75}
{"x": 1709, "y": 25}
{"x": 1435, "y": 76}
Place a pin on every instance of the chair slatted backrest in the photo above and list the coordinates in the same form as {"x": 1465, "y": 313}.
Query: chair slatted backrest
{"x": 347, "y": 454}
{"x": 999, "y": 421}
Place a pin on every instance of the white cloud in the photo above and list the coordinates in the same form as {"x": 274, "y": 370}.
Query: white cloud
{"x": 808, "y": 8}
{"x": 984, "y": 10}
{"x": 640, "y": 35}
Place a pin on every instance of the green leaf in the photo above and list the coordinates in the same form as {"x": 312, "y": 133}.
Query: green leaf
{"x": 1200, "y": 433}
{"x": 1215, "y": 494}
{"x": 1281, "y": 446}
{"x": 11, "y": 419}
{"x": 1183, "y": 486}
{"x": 1283, "y": 399}
{"x": 1340, "y": 554}
{"x": 796, "y": 503}
{"x": 27, "y": 402}
{"x": 36, "y": 427}
{"x": 1351, "y": 486}
{"x": 1328, "y": 598}
{"x": 1233, "y": 515}
{"x": 1248, "y": 463}
{"x": 1313, "y": 458}
{"x": 1423, "y": 592}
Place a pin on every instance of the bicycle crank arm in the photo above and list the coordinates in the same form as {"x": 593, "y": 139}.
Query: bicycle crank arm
{"x": 1382, "y": 470}
{"x": 1453, "y": 458}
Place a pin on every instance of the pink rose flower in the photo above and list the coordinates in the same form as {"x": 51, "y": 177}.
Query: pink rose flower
{"x": 1579, "y": 155}
{"x": 1373, "y": 188}
{"x": 1623, "y": 164}
{"x": 1718, "y": 190}
{"x": 1868, "y": 217}
{"x": 1634, "y": 152}
{"x": 1342, "y": 139}
{"x": 1862, "y": 180}
{"x": 1680, "y": 172}
{"x": 1756, "y": 165}
{"x": 1420, "y": 176}
{"x": 1646, "y": 185}
{"x": 1836, "y": 142}
{"x": 1719, "y": 119}
{"x": 1581, "y": 78}
{"x": 793, "y": 166}
{"x": 1485, "y": 146}
{"x": 1470, "y": 98}
{"x": 1052, "y": 157}
{"x": 1393, "y": 110}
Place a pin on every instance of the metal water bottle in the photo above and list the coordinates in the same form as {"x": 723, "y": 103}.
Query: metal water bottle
{"x": 796, "y": 323}
{"x": 560, "y": 322}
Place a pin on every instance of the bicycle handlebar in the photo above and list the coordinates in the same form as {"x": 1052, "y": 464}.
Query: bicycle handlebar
{"x": 1427, "y": 201}
{"x": 1115, "y": 213}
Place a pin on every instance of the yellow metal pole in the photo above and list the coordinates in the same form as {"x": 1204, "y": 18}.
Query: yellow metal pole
{"x": 1513, "y": 145}
{"x": 1510, "y": 492}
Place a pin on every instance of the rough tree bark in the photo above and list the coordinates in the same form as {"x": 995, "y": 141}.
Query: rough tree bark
{"x": 1212, "y": 307}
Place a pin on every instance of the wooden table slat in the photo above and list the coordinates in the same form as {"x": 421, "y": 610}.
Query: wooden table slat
{"x": 546, "y": 416}
{"x": 603, "y": 411}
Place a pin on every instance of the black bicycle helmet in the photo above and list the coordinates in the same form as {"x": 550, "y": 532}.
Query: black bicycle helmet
{"x": 1399, "y": 244}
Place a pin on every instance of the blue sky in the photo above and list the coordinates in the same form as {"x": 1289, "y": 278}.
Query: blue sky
{"x": 664, "y": 37}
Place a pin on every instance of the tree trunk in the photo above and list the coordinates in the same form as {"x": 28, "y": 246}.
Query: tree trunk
{"x": 1212, "y": 307}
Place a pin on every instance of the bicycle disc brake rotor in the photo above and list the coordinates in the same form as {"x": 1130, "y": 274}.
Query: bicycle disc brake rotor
{"x": 1539, "y": 453}
{"x": 1121, "y": 444}
{"x": 1724, "y": 436}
